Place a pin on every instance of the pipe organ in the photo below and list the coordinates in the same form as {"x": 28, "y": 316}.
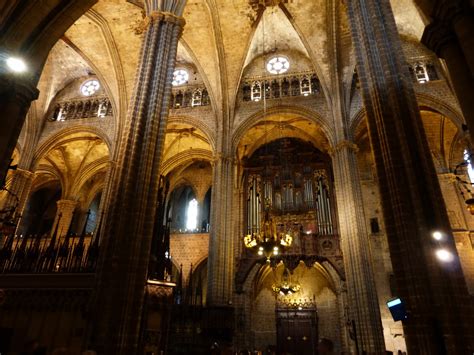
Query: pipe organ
{"x": 292, "y": 180}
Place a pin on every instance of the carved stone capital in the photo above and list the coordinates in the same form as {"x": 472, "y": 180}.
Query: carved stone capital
{"x": 223, "y": 158}
{"x": 158, "y": 16}
{"x": 450, "y": 177}
{"x": 24, "y": 173}
{"x": 66, "y": 205}
{"x": 166, "y": 10}
{"x": 345, "y": 144}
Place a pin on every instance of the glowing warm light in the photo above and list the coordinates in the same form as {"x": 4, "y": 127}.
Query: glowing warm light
{"x": 437, "y": 235}
{"x": 16, "y": 65}
{"x": 444, "y": 255}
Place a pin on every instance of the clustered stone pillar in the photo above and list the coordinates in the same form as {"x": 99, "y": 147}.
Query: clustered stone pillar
{"x": 19, "y": 186}
{"x": 221, "y": 257}
{"x": 128, "y": 228}
{"x": 442, "y": 40}
{"x": 362, "y": 295}
{"x": 457, "y": 15}
{"x": 438, "y": 304}
{"x": 65, "y": 209}
{"x": 16, "y": 93}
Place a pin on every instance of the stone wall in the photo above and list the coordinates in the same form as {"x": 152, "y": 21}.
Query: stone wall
{"x": 187, "y": 249}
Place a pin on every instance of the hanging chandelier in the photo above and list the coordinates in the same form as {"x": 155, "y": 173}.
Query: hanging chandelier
{"x": 267, "y": 240}
{"x": 286, "y": 287}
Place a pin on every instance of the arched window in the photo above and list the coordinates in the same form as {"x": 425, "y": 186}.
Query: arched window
{"x": 192, "y": 215}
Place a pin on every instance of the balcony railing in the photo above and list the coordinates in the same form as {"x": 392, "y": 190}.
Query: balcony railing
{"x": 189, "y": 96}
{"x": 295, "y": 84}
{"x": 82, "y": 108}
{"x": 40, "y": 254}
{"x": 423, "y": 71}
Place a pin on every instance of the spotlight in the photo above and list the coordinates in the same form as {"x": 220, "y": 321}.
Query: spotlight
{"x": 16, "y": 65}
{"x": 444, "y": 255}
{"x": 437, "y": 235}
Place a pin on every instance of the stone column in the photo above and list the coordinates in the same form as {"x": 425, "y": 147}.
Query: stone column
{"x": 16, "y": 93}
{"x": 457, "y": 15}
{"x": 362, "y": 295}
{"x": 221, "y": 258}
{"x": 438, "y": 305}
{"x": 65, "y": 209}
{"x": 128, "y": 226}
{"x": 443, "y": 42}
{"x": 19, "y": 186}
{"x": 346, "y": 343}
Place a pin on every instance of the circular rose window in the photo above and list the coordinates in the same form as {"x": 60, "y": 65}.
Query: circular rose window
{"x": 180, "y": 77}
{"x": 90, "y": 87}
{"x": 278, "y": 65}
